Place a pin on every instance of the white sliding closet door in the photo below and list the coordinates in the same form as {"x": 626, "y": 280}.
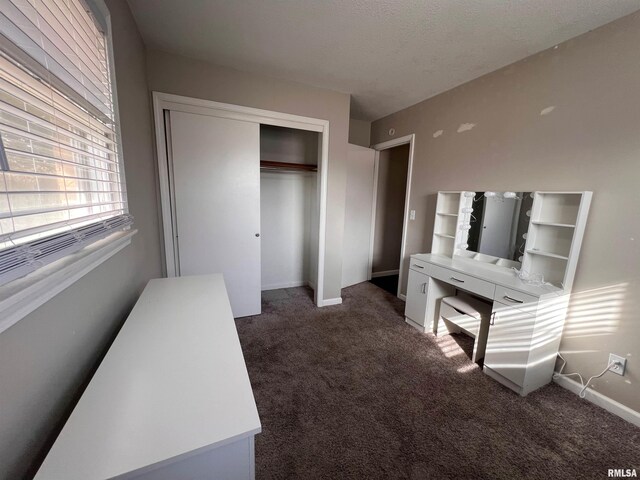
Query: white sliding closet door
{"x": 216, "y": 186}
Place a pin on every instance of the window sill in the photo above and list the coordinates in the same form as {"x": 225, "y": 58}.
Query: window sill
{"x": 22, "y": 296}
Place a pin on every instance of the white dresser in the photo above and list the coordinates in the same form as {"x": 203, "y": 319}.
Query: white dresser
{"x": 171, "y": 399}
{"x": 527, "y": 318}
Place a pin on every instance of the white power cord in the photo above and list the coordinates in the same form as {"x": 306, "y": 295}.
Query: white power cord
{"x": 582, "y": 393}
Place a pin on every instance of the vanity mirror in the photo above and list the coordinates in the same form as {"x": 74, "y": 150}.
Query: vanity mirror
{"x": 538, "y": 233}
{"x": 498, "y": 225}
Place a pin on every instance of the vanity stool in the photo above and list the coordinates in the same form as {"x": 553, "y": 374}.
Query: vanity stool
{"x": 464, "y": 314}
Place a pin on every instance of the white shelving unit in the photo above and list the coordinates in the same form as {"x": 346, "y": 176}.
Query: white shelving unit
{"x": 447, "y": 233}
{"x": 557, "y": 224}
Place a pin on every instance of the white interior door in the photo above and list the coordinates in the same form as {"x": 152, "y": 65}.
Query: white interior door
{"x": 357, "y": 215}
{"x": 497, "y": 222}
{"x": 216, "y": 186}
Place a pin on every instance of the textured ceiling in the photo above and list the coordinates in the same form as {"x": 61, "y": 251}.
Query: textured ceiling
{"x": 389, "y": 54}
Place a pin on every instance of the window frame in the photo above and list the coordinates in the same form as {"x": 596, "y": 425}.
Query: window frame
{"x": 20, "y": 297}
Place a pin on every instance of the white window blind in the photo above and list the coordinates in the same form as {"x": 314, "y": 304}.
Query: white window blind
{"x": 61, "y": 183}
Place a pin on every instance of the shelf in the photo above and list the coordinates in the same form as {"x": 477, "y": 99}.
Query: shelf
{"x": 448, "y": 203}
{"x": 551, "y": 224}
{"x": 556, "y": 207}
{"x": 298, "y": 167}
{"x": 547, "y": 254}
{"x": 443, "y": 235}
{"x": 447, "y": 214}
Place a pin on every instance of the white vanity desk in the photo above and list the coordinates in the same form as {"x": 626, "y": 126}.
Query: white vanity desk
{"x": 526, "y": 322}
{"x": 523, "y": 331}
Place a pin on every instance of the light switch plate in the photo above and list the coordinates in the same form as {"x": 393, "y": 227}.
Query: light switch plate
{"x": 412, "y": 215}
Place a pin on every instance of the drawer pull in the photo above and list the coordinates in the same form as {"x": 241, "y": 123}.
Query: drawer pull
{"x": 456, "y": 279}
{"x": 417, "y": 266}
{"x": 511, "y": 299}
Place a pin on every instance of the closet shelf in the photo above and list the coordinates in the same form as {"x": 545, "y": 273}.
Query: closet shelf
{"x": 298, "y": 167}
{"x": 447, "y": 214}
{"x": 444, "y": 235}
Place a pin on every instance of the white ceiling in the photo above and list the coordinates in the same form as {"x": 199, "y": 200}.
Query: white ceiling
{"x": 389, "y": 54}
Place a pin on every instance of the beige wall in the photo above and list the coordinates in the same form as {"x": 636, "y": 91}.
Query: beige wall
{"x": 359, "y": 132}
{"x": 590, "y": 141}
{"x": 183, "y": 76}
{"x": 46, "y": 357}
{"x": 390, "y": 198}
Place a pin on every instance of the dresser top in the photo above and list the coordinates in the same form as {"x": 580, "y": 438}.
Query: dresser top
{"x": 173, "y": 382}
{"x": 500, "y": 276}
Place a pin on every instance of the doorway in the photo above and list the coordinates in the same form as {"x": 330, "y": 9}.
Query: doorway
{"x": 390, "y": 213}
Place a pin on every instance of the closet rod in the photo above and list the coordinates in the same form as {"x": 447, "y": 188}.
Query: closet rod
{"x": 303, "y": 167}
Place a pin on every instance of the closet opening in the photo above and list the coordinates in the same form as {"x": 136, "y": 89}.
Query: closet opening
{"x": 222, "y": 169}
{"x": 288, "y": 210}
{"x": 392, "y": 179}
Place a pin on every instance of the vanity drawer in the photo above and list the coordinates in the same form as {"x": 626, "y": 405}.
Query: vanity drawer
{"x": 417, "y": 265}
{"x": 515, "y": 299}
{"x": 462, "y": 281}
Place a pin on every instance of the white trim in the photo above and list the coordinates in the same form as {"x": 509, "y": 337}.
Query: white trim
{"x": 385, "y": 273}
{"x": 277, "y": 286}
{"x": 331, "y": 301}
{"x": 407, "y": 139}
{"x": 402, "y": 297}
{"x": 374, "y": 204}
{"x": 601, "y": 400}
{"x": 322, "y": 213}
{"x": 22, "y": 296}
{"x": 166, "y": 101}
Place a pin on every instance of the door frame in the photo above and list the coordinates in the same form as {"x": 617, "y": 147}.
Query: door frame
{"x": 410, "y": 140}
{"x": 167, "y": 101}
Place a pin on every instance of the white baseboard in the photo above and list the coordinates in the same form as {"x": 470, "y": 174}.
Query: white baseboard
{"x": 276, "y": 286}
{"x": 386, "y": 273}
{"x": 327, "y": 302}
{"x": 601, "y": 400}
{"x": 403, "y": 297}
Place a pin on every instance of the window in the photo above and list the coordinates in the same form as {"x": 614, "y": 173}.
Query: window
{"x": 61, "y": 178}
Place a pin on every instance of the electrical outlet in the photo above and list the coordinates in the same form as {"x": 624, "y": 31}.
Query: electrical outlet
{"x": 620, "y": 366}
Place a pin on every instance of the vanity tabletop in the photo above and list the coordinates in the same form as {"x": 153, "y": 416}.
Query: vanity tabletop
{"x": 499, "y": 275}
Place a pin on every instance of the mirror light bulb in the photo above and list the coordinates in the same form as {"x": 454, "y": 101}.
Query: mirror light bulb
{"x": 469, "y": 194}
{"x": 509, "y": 194}
{"x": 489, "y": 194}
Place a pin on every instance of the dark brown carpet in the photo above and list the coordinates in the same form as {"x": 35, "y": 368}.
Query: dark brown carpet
{"x": 352, "y": 392}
